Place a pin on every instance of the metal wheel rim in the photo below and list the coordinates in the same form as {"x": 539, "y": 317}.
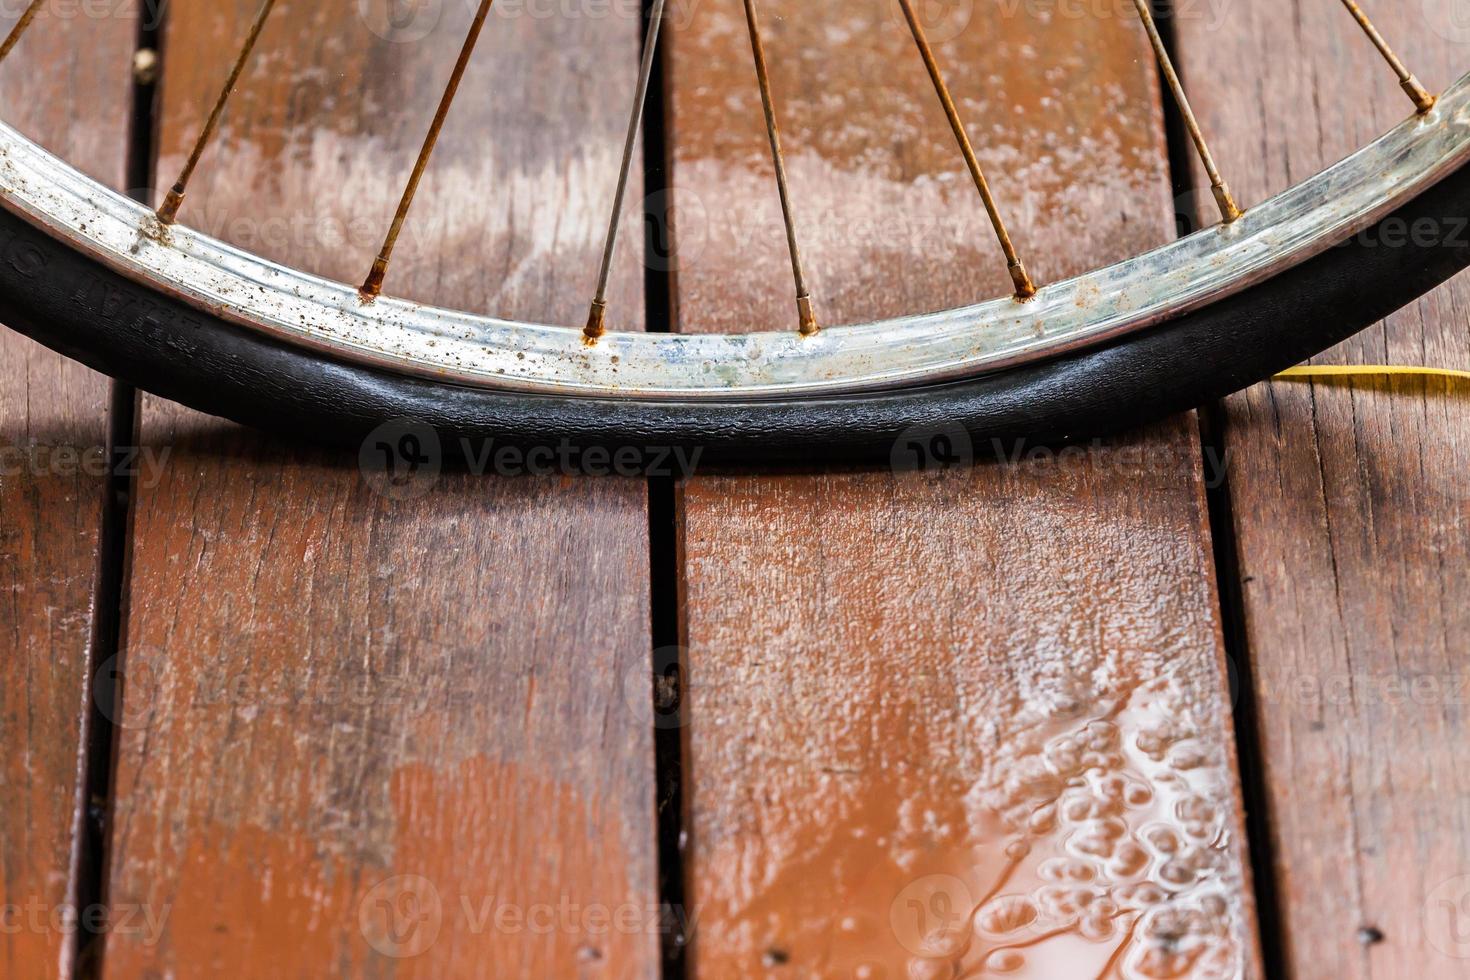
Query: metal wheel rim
{"x": 465, "y": 349}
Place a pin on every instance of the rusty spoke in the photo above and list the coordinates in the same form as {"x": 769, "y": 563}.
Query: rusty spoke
{"x": 373, "y": 284}
{"x": 1423, "y": 101}
{"x": 806, "y": 315}
{"x": 597, "y": 315}
{"x": 1025, "y": 288}
{"x": 169, "y": 210}
{"x": 13, "y": 38}
{"x": 1223, "y": 199}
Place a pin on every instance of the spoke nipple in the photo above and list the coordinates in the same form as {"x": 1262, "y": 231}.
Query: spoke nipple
{"x": 373, "y": 284}
{"x": 1025, "y": 288}
{"x": 169, "y": 210}
{"x": 145, "y": 66}
{"x": 806, "y": 316}
{"x": 1223, "y": 199}
{"x": 596, "y": 322}
{"x": 1423, "y": 101}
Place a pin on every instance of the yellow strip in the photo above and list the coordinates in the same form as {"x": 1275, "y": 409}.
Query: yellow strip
{"x": 1307, "y": 371}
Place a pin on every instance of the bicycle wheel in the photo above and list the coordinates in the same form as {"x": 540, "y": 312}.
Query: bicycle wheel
{"x": 128, "y": 290}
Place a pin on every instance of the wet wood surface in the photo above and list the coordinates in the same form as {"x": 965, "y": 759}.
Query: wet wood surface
{"x": 956, "y": 721}
{"x": 1351, "y": 508}
{"x": 53, "y": 439}
{"x": 386, "y": 726}
{"x": 938, "y": 721}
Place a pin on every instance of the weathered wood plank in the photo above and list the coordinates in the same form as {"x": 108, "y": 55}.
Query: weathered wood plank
{"x": 386, "y": 733}
{"x": 53, "y": 439}
{"x": 909, "y": 691}
{"x": 1350, "y": 510}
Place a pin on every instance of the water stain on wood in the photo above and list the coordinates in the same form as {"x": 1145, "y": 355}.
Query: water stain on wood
{"x": 962, "y": 722}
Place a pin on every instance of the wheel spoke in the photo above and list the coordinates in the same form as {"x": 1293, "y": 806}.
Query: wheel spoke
{"x": 597, "y": 315}
{"x": 1025, "y": 288}
{"x": 13, "y": 38}
{"x": 806, "y": 315}
{"x": 169, "y": 210}
{"x": 373, "y": 284}
{"x": 1423, "y": 101}
{"x": 1228, "y": 209}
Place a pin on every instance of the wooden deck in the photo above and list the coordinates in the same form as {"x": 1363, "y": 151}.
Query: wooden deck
{"x": 1182, "y": 703}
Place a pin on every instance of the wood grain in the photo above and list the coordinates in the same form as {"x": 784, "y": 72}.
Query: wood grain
{"x": 1350, "y": 509}
{"x": 53, "y": 439}
{"x": 392, "y": 728}
{"x": 996, "y": 688}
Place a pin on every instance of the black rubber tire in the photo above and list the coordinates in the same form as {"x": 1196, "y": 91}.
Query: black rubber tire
{"x": 85, "y": 311}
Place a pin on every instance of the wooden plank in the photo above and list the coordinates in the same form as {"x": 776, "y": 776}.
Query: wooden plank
{"x": 386, "y": 731}
{"x": 53, "y": 440}
{"x": 1350, "y": 505}
{"x": 911, "y": 691}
